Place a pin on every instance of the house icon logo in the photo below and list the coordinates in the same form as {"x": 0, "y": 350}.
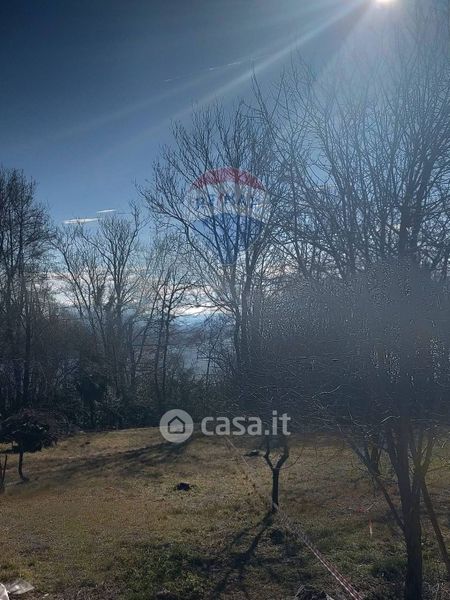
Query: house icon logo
{"x": 176, "y": 426}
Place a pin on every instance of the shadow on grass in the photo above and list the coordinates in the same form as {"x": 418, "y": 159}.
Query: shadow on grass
{"x": 123, "y": 464}
{"x": 243, "y": 566}
{"x": 236, "y": 572}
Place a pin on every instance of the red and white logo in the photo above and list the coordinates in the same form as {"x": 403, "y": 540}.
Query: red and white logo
{"x": 228, "y": 206}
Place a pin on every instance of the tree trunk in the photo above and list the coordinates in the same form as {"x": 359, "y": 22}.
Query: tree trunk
{"x": 20, "y": 469}
{"x": 275, "y": 489}
{"x": 275, "y": 469}
{"x": 409, "y": 487}
{"x": 413, "y": 540}
{"x": 414, "y": 576}
{"x": 3, "y": 474}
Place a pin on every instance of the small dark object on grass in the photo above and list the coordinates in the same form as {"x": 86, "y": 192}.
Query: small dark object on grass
{"x": 277, "y": 536}
{"x": 183, "y": 486}
{"x": 309, "y": 593}
{"x": 253, "y": 453}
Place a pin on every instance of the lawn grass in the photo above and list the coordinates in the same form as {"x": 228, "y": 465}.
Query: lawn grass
{"x": 101, "y": 518}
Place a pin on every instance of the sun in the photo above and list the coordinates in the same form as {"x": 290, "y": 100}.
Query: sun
{"x": 384, "y": 1}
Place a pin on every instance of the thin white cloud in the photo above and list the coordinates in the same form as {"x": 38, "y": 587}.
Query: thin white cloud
{"x": 246, "y": 77}
{"x": 106, "y": 210}
{"x": 80, "y": 221}
{"x": 236, "y": 63}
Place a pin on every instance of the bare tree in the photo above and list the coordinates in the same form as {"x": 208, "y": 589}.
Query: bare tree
{"x": 24, "y": 292}
{"x": 127, "y": 295}
{"x": 226, "y": 266}
{"x": 370, "y": 357}
{"x": 362, "y": 151}
{"x": 102, "y": 274}
{"x": 174, "y": 282}
{"x": 363, "y": 158}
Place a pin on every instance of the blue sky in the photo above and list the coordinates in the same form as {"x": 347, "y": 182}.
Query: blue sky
{"x": 88, "y": 88}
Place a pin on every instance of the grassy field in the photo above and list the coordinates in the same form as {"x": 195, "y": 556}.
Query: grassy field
{"x": 102, "y": 519}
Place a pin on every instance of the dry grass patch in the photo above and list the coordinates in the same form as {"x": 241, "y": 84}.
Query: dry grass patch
{"x": 102, "y": 513}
